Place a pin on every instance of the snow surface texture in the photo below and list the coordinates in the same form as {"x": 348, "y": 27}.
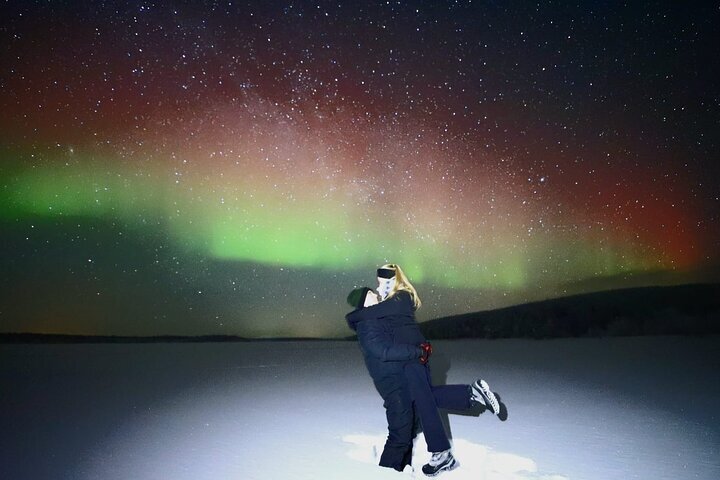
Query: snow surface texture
{"x": 590, "y": 409}
{"x": 478, "y": 461}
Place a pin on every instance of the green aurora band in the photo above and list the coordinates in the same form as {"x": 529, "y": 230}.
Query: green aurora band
{"x": 306, "y": 223}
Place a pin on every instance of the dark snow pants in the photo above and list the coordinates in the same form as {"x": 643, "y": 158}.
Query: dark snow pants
{"x": 401, "y": 430}
{"x": 428, "y": 398}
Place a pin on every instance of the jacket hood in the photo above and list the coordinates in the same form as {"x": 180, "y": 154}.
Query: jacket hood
{"x": 399, "y": 304}
{"x": 353, "y": 318}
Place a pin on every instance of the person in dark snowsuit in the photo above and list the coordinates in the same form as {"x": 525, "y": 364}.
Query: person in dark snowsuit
{"x": 401, "y": 300}
{"x": 385, "y": 362}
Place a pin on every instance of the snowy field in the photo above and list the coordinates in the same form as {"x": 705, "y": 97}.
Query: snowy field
{"x": 590, "y": 409}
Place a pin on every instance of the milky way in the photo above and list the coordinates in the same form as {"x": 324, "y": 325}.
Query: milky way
{"x": 236, "y": 168}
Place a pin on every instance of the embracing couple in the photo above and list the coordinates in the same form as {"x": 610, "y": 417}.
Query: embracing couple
{"x": 396, "y": 355}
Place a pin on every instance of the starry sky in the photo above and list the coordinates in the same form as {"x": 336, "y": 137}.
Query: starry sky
{"x": 238, "y": 167}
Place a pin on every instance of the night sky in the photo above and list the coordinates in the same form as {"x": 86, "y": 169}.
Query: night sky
{"x": 238, "y": 167}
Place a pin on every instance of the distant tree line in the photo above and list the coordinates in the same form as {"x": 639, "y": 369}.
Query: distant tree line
{"x": 61, "y": 338}
{"x": 676, "y": 310}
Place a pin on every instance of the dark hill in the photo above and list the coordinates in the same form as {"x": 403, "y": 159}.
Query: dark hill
{"x": 674, "y": 310}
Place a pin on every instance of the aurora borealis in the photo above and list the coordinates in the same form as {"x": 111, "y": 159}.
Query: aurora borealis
{"x": 238, "y": 167}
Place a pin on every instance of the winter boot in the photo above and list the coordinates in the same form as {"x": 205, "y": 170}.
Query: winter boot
{"x": 440, "y": 462}
{"x": 481, "y": 393}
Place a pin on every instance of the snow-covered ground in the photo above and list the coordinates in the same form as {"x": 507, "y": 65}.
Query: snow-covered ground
{"x": 590, "y": 409}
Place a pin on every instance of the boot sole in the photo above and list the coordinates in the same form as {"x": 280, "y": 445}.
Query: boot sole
{"x": 445, "y": 468}
{"x": 490, "y": 399}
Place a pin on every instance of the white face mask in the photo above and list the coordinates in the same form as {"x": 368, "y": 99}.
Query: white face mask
{"x": 385, "y": 286}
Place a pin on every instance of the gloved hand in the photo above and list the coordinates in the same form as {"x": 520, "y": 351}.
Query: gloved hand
{"x": 426, "y": 352}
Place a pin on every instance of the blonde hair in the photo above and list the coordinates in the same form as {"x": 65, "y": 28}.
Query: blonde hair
{"x": 402, "y": 283}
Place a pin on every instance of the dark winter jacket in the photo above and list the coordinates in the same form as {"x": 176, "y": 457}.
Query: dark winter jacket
{"x": 388, "y": 337}
{"x": 401, "y": 317}
{"x": 389, "y": 342}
